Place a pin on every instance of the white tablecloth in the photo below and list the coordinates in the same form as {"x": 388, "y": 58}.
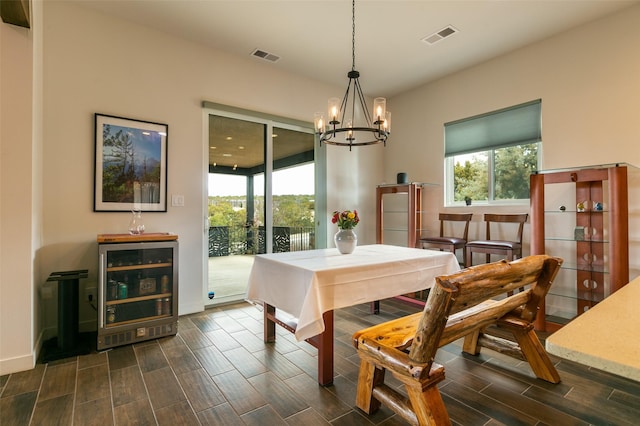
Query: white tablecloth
{"x": 306, "y": 284}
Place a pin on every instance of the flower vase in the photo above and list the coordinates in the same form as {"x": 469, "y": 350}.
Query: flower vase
{"x": 136, "y": 226}
{"x": 345, "y": 240}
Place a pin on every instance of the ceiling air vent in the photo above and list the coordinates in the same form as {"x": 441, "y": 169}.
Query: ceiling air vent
{"x": 265, "y": 55}
{"x": 440, "y": 35}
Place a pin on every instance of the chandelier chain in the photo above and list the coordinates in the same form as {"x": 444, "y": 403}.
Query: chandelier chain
{"x": 353, "y": 35}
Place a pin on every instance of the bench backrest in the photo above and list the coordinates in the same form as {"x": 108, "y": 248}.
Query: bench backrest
{"x": 462, "y": 302}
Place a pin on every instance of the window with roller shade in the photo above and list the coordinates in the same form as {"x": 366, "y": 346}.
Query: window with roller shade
{"x": 489, "y": 157}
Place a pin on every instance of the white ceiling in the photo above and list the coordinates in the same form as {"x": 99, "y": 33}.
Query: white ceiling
{"x": 313, "y": 37}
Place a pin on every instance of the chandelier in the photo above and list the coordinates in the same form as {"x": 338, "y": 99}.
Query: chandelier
{"x": 349, "y": 122}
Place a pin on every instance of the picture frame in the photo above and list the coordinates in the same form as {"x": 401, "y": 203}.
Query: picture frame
{"x": 130, "y": 165}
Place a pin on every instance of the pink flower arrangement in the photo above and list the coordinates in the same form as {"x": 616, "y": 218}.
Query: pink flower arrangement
{"x": 346, "y": 219}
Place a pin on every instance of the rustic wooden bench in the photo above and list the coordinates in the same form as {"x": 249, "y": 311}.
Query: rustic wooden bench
{"x": 461, "y": 305}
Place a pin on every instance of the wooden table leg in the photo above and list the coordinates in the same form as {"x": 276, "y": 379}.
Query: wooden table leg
{"x": 269, "y": 324}
{"x": 324, "y": 343}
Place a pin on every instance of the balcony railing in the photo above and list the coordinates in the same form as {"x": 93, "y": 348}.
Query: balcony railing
{"x": 232, "y": 240}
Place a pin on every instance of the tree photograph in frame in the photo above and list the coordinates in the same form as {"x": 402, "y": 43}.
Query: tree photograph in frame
{"x": 130, "y": 165}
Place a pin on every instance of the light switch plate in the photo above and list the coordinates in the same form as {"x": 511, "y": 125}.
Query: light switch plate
{"x": 177, "y": 200}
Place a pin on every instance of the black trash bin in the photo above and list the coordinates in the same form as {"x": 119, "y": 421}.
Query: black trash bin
{"x": 69, "y": 342}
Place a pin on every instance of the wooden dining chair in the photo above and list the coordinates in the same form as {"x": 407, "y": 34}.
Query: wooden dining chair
{"x": 510, "y": 249}
{"x": 450, "y": 243}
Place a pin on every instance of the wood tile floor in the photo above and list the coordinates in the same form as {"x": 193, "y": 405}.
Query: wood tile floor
{"x": 218, "y": 371}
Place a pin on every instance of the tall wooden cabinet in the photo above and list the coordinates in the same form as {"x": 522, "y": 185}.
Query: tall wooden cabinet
{"x": 138, "y": 288}
{"x": 581, "y": 215}
{"x": 399, "y": 213}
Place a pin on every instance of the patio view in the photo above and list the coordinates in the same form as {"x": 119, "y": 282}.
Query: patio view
{"x": 239, "y": 175}
{"x": 237, "y": 233}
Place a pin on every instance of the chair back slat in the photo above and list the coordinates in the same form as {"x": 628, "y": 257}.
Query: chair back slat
{"x": 506, "y": 218}
{"x": 432, "y": 323}
{"x": 455, "y": 217}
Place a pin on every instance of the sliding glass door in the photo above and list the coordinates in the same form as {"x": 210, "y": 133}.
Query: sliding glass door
{"x": 260, "y": 196}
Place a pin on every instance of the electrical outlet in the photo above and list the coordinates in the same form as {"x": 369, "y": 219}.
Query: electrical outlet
{"x": 90, "y": 294}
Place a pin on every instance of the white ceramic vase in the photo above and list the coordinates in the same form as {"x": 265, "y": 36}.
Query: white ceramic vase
{"x": 346, "y": 241}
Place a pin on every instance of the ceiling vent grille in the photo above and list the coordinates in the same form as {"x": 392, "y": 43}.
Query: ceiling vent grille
{"x": 265, "y": 55}
{"x": 440, "y": 35}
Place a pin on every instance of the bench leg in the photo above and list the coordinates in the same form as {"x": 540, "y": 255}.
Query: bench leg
{"x": 368, "y": 377}
{"x": 536, "y": 355}
{"x": 470, "y": 344}
{"x": 427, "y": 404}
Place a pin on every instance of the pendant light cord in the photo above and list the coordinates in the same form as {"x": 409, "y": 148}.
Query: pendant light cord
{"x": 353, "y": 35}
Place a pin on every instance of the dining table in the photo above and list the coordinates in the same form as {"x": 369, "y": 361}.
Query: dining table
{"x": 300, "y": 290}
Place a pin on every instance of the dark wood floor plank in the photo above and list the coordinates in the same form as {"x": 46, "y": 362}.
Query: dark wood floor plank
{"x": 248, "y": 340}
{"x": 212, "y": 360}
{"x": 24, "y": 381}
{"x": 150, "y": 357}
{"x": 176, "y": 414}
{"x": 323, "y": 401}
{"x": 247, "y": 364}
{"x": 262, "y": 416}
{"x": 135, "y": 413}
{"x": 97, "y": 412}
{"x": 308, "y": 417}
{"x": 91, "y": 360}
{"x": 280, "y": 396}
{"x": 238, "y": 391}
{"x": 121, "y": 357}
{"x": 617, "y": 412}
{"x": 194, "y": 338}
{"x": 228, "y": 324}
{"x": 221, "y": 415}
{"x": 596, "y": 415}
{"x": 163, "y": 388}
{"x": 251, "y": 324}
{"x": 478, "y": 376}
{"x": 621, "y": 383}
{"x": 304, "y": 361}
{"x": 127, "y": 386}
{"x": 93, "y": 383}
{"x": 282, "y": 344}
{"x": 17, "y": 409}
{"x": 58, "y": 380}
{"x": 632, "y": 401}
{"x": 489, "y": 406}
{"x": 3, "y": 382}
{"x": 200, "y": 390}
{"x": 222, "y": 340}
{"x": 180, "y": 357}
{"x": 530, "y": 406}
{"x": 461, "y": 413}
{"x": 277, "y": 363}
{"x": 54, "y": 411}
{"x": 205, "y": 323}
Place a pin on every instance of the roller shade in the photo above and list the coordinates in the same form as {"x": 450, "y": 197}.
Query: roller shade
{"x": 516, "y": 125}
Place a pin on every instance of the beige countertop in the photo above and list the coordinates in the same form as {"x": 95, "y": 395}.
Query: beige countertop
{"x": 606, "y": 337}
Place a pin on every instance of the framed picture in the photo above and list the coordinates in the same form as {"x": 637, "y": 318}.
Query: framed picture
{"x": 130, "y": 165}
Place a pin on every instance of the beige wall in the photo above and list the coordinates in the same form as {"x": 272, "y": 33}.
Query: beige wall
{"x": 588, "y": 79}
{"x": 17, "y": 219}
